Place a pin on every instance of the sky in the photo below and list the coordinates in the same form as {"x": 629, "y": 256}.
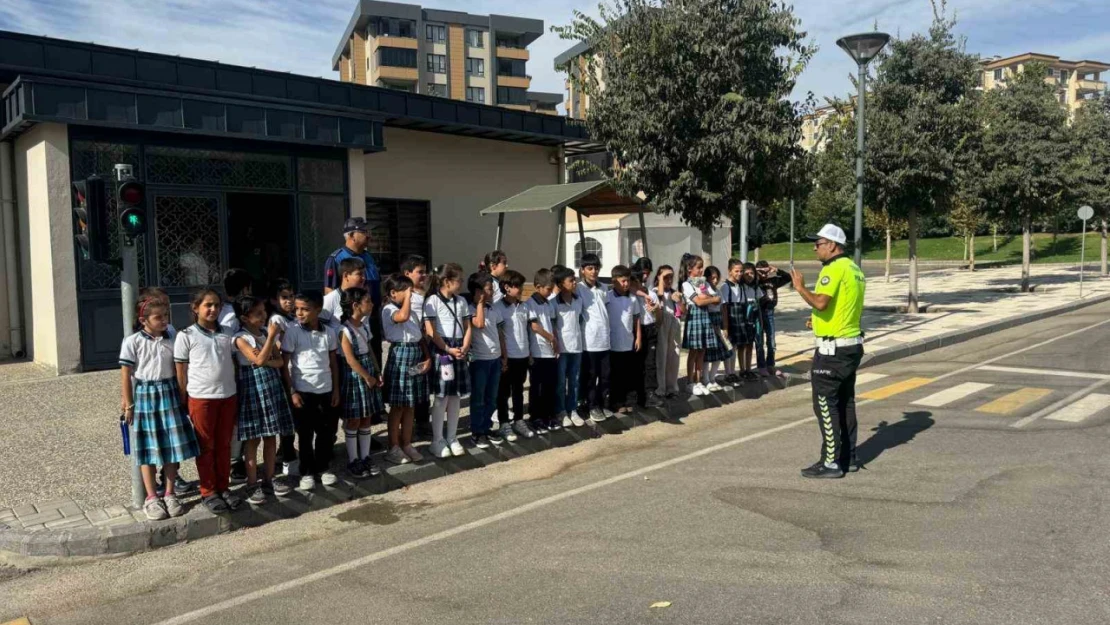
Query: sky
{"x": 300, "y": 36}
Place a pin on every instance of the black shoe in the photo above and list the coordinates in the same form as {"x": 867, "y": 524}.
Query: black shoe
{"x": 238, "y": 473}
{"x": 495, "y": 438}
{"x": 854, "y": 466}
{"x": 821, "y": 471}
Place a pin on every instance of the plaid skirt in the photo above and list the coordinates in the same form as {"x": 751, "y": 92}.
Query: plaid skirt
{"x": 401, "y": 388}
{"x": 460, "y": 386}
{"x": 263, "y": 405}
{"x": 717, "y": 353}
{"x": 359, "y": 400}
{"x": 163, "y": 432}
{"x": 698, "y": 331}
{"x": 741, "y": 326}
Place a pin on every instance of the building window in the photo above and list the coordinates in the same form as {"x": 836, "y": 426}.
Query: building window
{"x": 437, "y": 63}
{"x": 1064, "y": 74}
{"x": 436, "y": 33}
{"x": 509, "y": 42}
{"x": 476, "y": 67}
{"x": 592, "y": 246}
{"x": 401, "y": 228}
{"x": 512, "y": 95}
{"x": 998, "y": 74}
{"x": 511, "y": 67}
{"x": 439, "y": 91}
{"x": 396, "y": 57}
{"x": 476, "y": 94}
{"x": 392, "y": 27}
{"x": 474, "y": 38}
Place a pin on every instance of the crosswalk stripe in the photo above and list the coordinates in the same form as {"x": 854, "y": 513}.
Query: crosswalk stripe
{"x": 949, "y": 395}
{"x": 891, "y": 390}
{"x": 1055, "y": 372}
{"x": 1009, "y": 403}
{"x": 1080, "y": 410}
{"x": 866, "y": 378}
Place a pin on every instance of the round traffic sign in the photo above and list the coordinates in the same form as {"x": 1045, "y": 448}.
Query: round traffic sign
{"x": 1086, "y": 212}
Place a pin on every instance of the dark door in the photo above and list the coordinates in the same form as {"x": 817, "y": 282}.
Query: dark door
{"x": 260, "y": 235}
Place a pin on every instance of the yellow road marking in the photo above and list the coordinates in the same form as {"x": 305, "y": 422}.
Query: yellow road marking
{"x": 18, "y": 621}
{"x": 1009, "y": 403}
{"x": 891, "y": 390}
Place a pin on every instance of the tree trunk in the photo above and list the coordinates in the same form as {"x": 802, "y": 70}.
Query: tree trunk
{"x": 994, "y": 238}
{"x": 912, "y": 306}
{"x": 1026, "y": 245}
{"x": 965, "y": 248}
{"x": 971, "y": 246}
{"x": 756, "y": 255}
{"x": 1104, "y": 233}
{"x": 888, "y": 245}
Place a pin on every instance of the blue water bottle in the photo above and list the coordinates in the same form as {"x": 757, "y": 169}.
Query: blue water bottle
{"x": 126, "y": 433}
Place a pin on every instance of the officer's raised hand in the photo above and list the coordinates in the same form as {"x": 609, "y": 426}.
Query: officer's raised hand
{"x": 797, "y": 279}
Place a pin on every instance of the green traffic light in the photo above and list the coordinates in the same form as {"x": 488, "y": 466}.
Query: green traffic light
{"x": 134, "y": 220}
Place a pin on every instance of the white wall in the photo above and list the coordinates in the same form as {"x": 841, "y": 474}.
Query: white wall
{"x": 46, "y": 233}
{"x": 609, "y": 238}
{"x": 460, "y": 176}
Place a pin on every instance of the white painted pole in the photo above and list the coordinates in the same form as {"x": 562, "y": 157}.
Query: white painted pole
{"x": 744, "y": 231}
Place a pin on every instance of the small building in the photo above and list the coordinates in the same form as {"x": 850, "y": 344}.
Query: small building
{"x": 243, "y": 168}
{"x": 616, "y": 239}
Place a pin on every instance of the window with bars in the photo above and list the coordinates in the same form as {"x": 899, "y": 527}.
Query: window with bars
{"x": 476, "y": 67}
{"x": 588, "y": 245}
{"x": 399, "y": 228}
{"x": 437, "y": 63}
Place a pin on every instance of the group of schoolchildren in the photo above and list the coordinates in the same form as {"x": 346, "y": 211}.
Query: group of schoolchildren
{"x": 282, "y": 372}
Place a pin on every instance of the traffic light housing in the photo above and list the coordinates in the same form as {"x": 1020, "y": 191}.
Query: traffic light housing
{"x": 131, "y": 196}
{"x": 90, "y": 209}
{"x": 755, "y": 229}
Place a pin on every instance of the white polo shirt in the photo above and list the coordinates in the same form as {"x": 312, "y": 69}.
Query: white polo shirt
{"x": 485, "y": 343}
{"x": 229, "y": 321}
{"x": 740, "y": 293}
{"x": 596, "y": 316}
{"x": 623, "y": 311}
{"x": 332, "y": 312}
{"x": 515, "y": 328}
{"x": 280, "y": 319}
{"x": 497, "y": 294}
{"x": 647, "y": 318}
{"x": 689, "y": 292}
{"x": 150, "y": 357}
{"x": 411, "y": 331}
{"x": 254, "y": 342}
{"x": 211, "y": 366}
{"x": 311, "y": 352}
{"x": 450, "y": 317}
{"x": 569, "y": 320}
{"x": 360, "y": 336}
{"x": 542, "y": 311}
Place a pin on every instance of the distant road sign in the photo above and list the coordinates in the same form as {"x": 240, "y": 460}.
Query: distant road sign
{"x": 1086, "y": 212}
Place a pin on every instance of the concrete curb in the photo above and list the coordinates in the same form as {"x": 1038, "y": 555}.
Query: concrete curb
{"x": 200, "y": 523}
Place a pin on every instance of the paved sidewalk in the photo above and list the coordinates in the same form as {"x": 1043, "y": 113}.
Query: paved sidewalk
{"x": 62, "y": 470}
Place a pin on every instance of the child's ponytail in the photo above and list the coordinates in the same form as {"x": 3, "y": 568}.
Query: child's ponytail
{"x": 689, "y": 261}
{"x": 442, "y": 273}
{"x": 349, "y": 298}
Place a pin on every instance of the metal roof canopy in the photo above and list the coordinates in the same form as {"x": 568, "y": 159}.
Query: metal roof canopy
{"x": 586, "y": 198}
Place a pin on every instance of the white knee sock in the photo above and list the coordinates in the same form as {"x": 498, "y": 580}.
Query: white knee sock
{"x": 730, "y": 365}
{"x": 363, "y": 444}
{"x": 439, "y": 412}
{"x": 454, "y": 404}
{"x": 352, "y": 444}
{"x": 713, "y": 371}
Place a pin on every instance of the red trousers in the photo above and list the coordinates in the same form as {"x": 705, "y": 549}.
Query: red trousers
{"x": 214, "y": 421}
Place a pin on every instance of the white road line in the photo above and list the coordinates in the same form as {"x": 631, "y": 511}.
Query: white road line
{"x": 949, "y": 395}
{"x": 1070, "y": 399}
{"x": 262, "y": 593}
{"x": 1055, "y": 372}
{"x": 864, "y": 378}
{"x": 1081, "y": 409}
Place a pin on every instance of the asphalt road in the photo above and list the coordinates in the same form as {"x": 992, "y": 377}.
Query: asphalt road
{"x": 978, "y": 505}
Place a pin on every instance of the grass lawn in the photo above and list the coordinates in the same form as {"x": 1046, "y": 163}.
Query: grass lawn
{"x": 1065, "y": 250}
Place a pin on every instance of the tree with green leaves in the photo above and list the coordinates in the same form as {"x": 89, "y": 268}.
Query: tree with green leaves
{"x": 692, "y": 97}
{"x": 1026, "y": 153}
{"x": 833, "y": 195}
{"x": 1091, "y": 164}
{"x": 922, "y": 120}
{"x": 891, "y": 228}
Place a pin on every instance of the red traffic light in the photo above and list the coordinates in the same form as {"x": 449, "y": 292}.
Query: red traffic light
{"x": 130, "y": 192}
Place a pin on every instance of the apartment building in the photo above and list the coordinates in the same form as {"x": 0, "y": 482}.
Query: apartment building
{"x": 1076, "y": 81}
{"x": 449, "y": 54}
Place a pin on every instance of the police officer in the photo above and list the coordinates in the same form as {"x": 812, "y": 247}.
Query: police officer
{"x": 837, "y": 303}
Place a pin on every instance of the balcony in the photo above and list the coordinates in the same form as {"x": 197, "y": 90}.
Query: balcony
{"x": 519, "y": 54}
{"x": 385, "y": 41}
{"x": 522, "y": 82}
{"x": 1084, "y": 86}
{"x": 394, "y": 74}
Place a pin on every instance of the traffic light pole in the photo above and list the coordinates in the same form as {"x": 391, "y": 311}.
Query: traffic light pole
{"x": 129, "y": 290}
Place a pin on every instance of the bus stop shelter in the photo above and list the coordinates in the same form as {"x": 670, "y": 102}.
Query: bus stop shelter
{"x": 586, "y": 198}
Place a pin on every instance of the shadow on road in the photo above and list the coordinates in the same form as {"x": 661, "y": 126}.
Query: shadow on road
{"x": 890, "y": 435}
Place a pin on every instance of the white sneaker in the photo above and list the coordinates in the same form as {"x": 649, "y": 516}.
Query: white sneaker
{"x": 413, "y": 455}
{"x": 308, "y": 482}
{"x": 698, "y": 390}
{"x": 396, "y": 456}
{"x": 565, "y": 418}
{"x": 713, "y": 387}
{"x": 457, "y": 448}
{"x": 576, "y": 420}
{"x": 327, "y": 478}
{"x": 440, "y": 449}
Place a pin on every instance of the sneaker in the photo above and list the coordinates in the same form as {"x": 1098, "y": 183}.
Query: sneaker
{"x": 495, "y": 438}
{"x": 255, "y": 495}
{"x": 522, "y": 429}
{"x": 371, "y": 467}
{"x": 412, "y": 454}
{"x": 291, "y": 469}
{"x": 555, "y": 425}
{"x": 576, "y": 420}
{"x": 820, "y": 470}
{"x": 506, "y": 432}
{"x": 481, "y": 441}
{"x": 609, "y": 414}
{"x": 173, "y": 506}
{"x": 232, "y": 500}
{"x": 457, "y": 448}
{"x": 182, "y": 488}
{"x": 653, "y": 401}
{"x": 215, "y": 504}
{"x": 713, "y": 387}
{"x": 440, "y": 449}
{"x": 308, "y": 482}
{"x": 396, "y": 456}
{"x": 563, "y": 418}
{"x": 155, "y": 509}
{"x": 277, "y": 487}
{"x": 238, "y": 473}
{"x": 539, "y": 426}
{"x": 698, "y": 390}
{"x": 327, "y": 478}
{"x": 597, "y": 415}
{"x": 356, "y": 470}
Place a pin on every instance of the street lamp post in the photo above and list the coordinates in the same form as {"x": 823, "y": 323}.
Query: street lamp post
{"x": 862, "y": 48}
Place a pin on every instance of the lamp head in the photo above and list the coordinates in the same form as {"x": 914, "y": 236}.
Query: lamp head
{"x": 863, "y": 47}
